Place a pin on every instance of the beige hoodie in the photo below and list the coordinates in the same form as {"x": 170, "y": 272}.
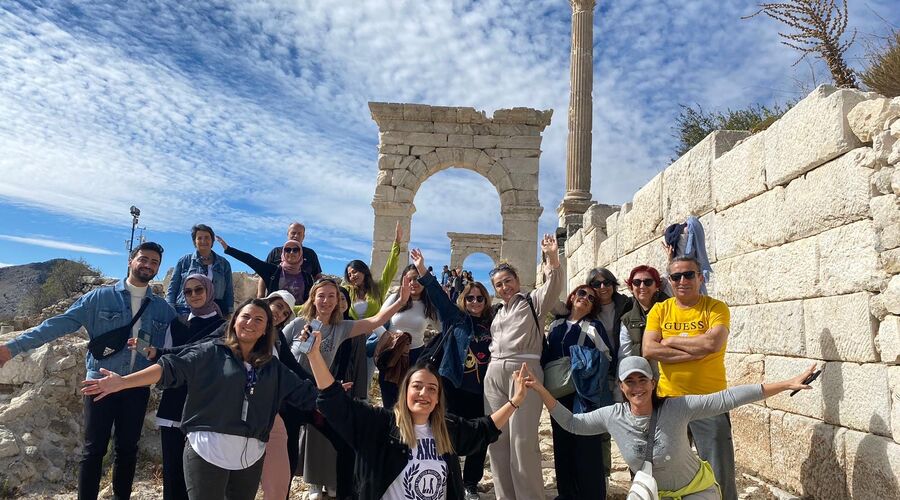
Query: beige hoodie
{"x": 514, "y": 331}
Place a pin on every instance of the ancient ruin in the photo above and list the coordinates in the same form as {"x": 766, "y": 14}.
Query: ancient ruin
{"x": 416, "y": 141}
{"x": 464, "y": 244}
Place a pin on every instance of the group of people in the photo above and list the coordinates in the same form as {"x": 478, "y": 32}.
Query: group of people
{"x": 281, "y": 385}
{"x": 454, "y": 280}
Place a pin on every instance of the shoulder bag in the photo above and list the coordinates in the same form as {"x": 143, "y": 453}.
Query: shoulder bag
{"x": 105, "y": 345}
{"x": 643, "y": 486}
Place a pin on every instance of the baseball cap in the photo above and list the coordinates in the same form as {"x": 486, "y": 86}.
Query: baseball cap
{"x": 634, "y": 364}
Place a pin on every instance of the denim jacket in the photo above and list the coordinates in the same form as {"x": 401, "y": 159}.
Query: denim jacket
{"x": 221, "y": 278}
{"x": 457, "y": 324}
{"x": 100, "y": 311}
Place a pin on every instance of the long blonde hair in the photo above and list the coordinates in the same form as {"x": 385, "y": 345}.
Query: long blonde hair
{"x": 435, "y": 419}
{"x": 309, "y": 310}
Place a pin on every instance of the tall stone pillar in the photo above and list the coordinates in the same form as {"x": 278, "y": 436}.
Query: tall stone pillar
{"x": 578, "y": 151}
{"x": 387, "y": 215}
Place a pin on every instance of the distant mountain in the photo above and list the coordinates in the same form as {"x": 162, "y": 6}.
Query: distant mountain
{"x": 17, "y": 282}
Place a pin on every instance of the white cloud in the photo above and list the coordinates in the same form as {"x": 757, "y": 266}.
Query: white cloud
{"x": 60, "y": 245}
{"x": 4, "y": 264}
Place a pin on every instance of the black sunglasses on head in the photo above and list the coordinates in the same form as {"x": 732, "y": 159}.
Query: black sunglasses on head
{"x": 501, "y": 267}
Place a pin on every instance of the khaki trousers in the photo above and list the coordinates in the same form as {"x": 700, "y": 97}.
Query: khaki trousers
{"x": 516, "y": 456}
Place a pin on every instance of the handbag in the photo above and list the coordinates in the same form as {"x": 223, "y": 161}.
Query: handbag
{"x": 558, "y": 374}
{"x": 643, "y": 486}
{"x": 106, "y": 344}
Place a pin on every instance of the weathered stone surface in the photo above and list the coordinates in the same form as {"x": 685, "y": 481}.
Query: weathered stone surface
{"x": 856, "y": 396}
{"x": 27, "y": 368}
{"x": 848, "y": 259}
{"x": 888, "y": 339}
{"x": 393, "y": 149}
{"x": 606, "y": 251}
{"x": 744, "y": 369}
{"x": 807, "y": 402}
{"x": 752, "y": 440}
{"x": 840, "y": 328}
{"x": 8, "y": 445}
{"x": 873, "y": 466}
{"x": 807, "y": 456}
{"x": 739, "y": 174}
{"x": 811, "y": 133}
{"x": 737, "y": 228}
{"x": 886, "y": 217}
{"x": 895, "y": 180}
{"x": 894, "y": 384}
{"x": 881, "y": 180}
{"x": 641, "y": 222}
{"x": 687, "y": 181}
{"x": 773, "y": 328}
{"x": 883, "y": 146}
{"x": 868, "y": 118}
{"x": 890, "y": 297}
{"x": 791, "y": 270}
{"x": 737, "y": 279}
{"x": 890, "y": 261}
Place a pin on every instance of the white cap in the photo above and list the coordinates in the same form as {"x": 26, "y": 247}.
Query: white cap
{"x": 285, "y": 296}
{"x": 634, "y": 364}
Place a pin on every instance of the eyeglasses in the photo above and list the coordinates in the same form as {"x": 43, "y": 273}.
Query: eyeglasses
{"x": 645, "y": 282}
{"x": 582, "y": 293}
{"x": 475, "y": 298}
{"x": 501, "y": 267}
{"x": 292, "y": 249}
{"x": 676, "y": 277}
{"x": 197, "y": 290}
{"x": 604, "y": 283}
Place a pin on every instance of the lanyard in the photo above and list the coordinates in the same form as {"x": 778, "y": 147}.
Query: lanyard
{"x": 249, "y": 388}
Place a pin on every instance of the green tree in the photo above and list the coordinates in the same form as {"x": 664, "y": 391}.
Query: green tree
{"x": 63, "y": 280}
{"x": 693, "y": 124}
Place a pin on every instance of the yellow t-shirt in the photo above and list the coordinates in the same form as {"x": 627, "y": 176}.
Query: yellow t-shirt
{"x": 703, "y": 376}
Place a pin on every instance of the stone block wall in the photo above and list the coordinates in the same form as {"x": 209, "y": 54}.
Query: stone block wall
{"x": 802, "y": 228}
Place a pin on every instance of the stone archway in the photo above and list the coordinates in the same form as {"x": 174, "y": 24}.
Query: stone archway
{"x": 464, "y": 244}
{"x": 416, "y": 141}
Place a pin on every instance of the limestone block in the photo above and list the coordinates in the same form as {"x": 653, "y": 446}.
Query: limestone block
{"x": 383, "y": 178}
{"x": 868, "y": 118}
{"x": 744, "y": 369}
{"x": 443, "y": 114}
{"x": 611, "y": 226}
{"x": 791, "y": 270}
{"x": 894, "y": 384}
{"x": 848, "y": 259}
{"x": 460, "y": 141}
{"x": 407, "y": 126}
{"x": 873, "y": 466}
{"x": 574, "y": 242}
{"x": 522, "y": 165}
{"x": 751, "y": 225}
{"x": 393, "y": 149}
{"x": 886, "y": 216}
{"x": 418, "y": 169}
{"x": 606, "y": 251}
{"x": 641, "y": 223}
{"x": 737, "y": 279}
{"x": 432, "y": 162}
{"x": 808, "y": 402}
{"x": 441, "y": 127}
{"x": 811, "y": 133}
{"x": 471, "y": 157}
{"x": 8, "y": 446}
{"x": 883, "y": 145}
{"x": 807, "y": 456}
{"x": 856, "y": 396}
{"x": 888, "y": 339}
{"x": 524, "y": 153}
{"x": 404, "y": 195}
{"x": 497, "y": 153}
{"x": 26, "y": 368}
{"x": 895, "y": 180}
{"x": 750, "y": 430}
{"x": 840, "y": 328}
{"x": 829, "y": 196}
{"x": 385, "y": 110}
{"x": 881, "y": 180}
{"x": 420, "y": 150}
{"x": 687, "y": 184}
{"x": 422, "y": 139}
{"x": 389, "y": 161}
{"x": 773, "y": 328}
{"x": 512, "y": 129}
{"x": 451, "y": 156}
{"x": 520, "y": 142}
{"x": 524, "y": 181}
{"x": 420, "y": 112}
{"x": 739, "y": 174}
{"x": 487, "y": 141}
{"x": 890, "y": 261}
{"x": 890, "y": 297}
{"x": 527, "y": 197}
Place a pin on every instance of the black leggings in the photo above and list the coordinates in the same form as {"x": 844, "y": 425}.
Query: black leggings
{"x": 206, "y": 481}
{"x": 467, "y": 405}
{"x": 578, "y": 461}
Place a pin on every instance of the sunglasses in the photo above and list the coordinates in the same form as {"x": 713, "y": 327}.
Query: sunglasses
{"x": 676, "y": 277}
{"x": 604, "y": 283}
{"x": 501, "y": 267}
{"x": 475, "y": 298}
{"x": 197, "y": 290}
{"x": 291, "y": 250}
{"x": 325, "y": 280}
{"x": 582, "y": 293}
{"x": 645, "y": 282}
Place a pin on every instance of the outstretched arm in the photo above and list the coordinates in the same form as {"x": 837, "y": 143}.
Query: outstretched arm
{"x": 113, "y": 382}
{"x": 583, "y": 424}
{"x": 366, "y": 325}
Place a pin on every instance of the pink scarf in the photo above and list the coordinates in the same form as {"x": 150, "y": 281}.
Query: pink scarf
{"x": 291, "y": 268}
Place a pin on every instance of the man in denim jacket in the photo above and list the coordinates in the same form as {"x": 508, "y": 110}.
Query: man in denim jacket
{"x": 99, "y": 312}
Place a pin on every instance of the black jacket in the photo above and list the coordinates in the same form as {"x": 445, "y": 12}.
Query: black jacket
{"x": 381, "y": 455}
{"x": 268, "y": 272}
{"x": 217, "y": 386}
{"x": 184, "y": 335}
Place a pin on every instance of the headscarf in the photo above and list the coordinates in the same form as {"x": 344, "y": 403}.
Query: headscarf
{"x": 208, "y": 306}
{"x": 291, "y": 268}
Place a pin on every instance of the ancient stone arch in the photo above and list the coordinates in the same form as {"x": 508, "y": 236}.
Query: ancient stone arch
{"x": 416, "y": 141}
{"x": 462, "y": 245}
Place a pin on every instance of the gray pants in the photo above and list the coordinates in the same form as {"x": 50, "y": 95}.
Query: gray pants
{"x": 515, "y": 456}
{"x": 206, "y": 481}
{"x": 712, "y": 437}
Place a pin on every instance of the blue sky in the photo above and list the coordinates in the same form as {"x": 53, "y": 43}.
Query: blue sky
{"x": 248, "y": 115}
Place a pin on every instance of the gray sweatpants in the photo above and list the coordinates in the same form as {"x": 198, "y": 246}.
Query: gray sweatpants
{"x": 712, "y": 437}
{"x": 515, "y": 456}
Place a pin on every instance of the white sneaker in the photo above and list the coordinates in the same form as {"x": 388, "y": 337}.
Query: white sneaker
{"x": 315, "y": 492}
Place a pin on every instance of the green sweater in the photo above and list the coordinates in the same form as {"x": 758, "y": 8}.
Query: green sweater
{"x": 375, "y": 298}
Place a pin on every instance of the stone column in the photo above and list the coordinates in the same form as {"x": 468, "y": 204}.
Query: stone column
{"x": 387, "y": 214}
{"x": 519, "y": 242}
{"x": 578, "y": 151}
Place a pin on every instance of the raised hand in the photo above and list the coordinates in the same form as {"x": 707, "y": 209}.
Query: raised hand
{"x": 222, "y": 242}
{"x": 149, "y": 352}
{"x": 102, "y": 387}
{"x": 405, "y": 289}
{"x": 419, "y": 260}
{"x": 398, "y": 233}
{"x": 549, "y": 244}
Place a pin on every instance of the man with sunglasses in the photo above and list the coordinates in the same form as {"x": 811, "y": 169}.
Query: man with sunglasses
{"x": 106, "y": 314}
{"x": 687, "y": 335}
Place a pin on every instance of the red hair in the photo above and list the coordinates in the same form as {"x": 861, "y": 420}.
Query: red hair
{"x": 645, "y": 269}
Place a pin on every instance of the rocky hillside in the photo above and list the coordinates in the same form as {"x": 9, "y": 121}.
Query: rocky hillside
{"x": 16, "y": 282}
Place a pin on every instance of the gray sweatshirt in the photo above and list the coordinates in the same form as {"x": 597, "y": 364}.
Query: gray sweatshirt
{"x": 674, "y": 462}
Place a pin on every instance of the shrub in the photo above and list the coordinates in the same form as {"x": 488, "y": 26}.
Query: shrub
{"x": 694, "y": 124}
{"x": 63, "y": 280}
{"x": 883, "y": 73}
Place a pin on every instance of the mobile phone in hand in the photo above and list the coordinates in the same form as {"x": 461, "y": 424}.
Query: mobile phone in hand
{"x": 306, "y": 345}
{"x": 143, "y": 342}
{"x": 808, "y": 380}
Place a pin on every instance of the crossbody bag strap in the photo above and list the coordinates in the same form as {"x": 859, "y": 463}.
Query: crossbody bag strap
{"x": 537, "y": 324}
{"x": 144, "y": 304}
{"x": 651, "y": 435}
